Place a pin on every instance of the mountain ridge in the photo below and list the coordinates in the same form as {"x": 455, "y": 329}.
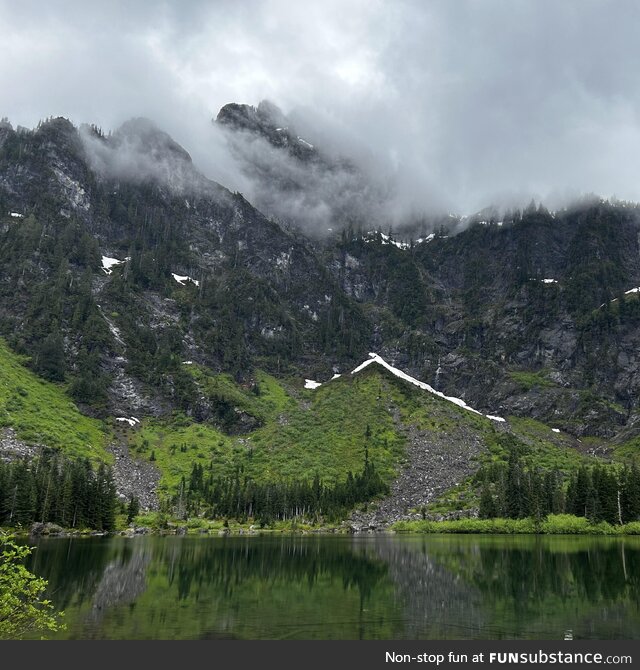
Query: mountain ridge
{"x": 531, "y": 316}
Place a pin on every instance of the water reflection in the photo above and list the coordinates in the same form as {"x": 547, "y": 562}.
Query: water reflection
{"x": 345, "y": 587}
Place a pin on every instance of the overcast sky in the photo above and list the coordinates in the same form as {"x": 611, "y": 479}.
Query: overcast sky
{"x": 469, "y": 102}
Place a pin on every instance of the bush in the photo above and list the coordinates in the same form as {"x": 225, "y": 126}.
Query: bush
{"x": 22, "y": 608}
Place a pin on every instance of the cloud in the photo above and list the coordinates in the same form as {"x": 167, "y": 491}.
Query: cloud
{"x": 457, "y": 104}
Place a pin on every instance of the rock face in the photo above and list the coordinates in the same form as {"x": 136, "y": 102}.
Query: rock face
{"x": 134, "y": 478}
{"x": 534, "y": 315}
{"x": 12, "y": 448}
{"x": 435, "y": 462}
{"x": 294, "y": 180}
{"x": 121, "y": 583}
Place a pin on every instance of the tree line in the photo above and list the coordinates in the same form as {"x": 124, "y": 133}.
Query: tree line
{"x": 52, "y": 488}
{"x": 598, "y": 492}
{"x": 241, "y": 497}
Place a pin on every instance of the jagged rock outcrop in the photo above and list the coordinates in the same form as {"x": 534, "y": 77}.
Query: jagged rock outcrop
{"x": 533, "y": 315}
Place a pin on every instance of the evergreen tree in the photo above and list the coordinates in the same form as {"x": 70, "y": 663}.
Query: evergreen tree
{"x": 488, "y": 508}
{"x": 50, "y": 361}
{"x": 630, "y": 493}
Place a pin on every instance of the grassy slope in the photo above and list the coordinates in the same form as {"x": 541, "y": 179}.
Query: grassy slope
{"x": 322, "y": 431}
{"x": 41, "y": 413}
{"x": 303, "y": 431}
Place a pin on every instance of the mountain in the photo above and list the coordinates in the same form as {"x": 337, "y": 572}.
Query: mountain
{"x": 176, "y": 314}
{"x": 293, "y": 179}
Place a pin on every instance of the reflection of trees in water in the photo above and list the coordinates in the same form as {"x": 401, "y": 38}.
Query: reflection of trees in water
{"x": 225, "y": 564}
{"x": 536, "y": 577}
{"x": 73, "y": 566}
{"x": 444, "y": 587}
{"x": 608, "y": 571}
{"x": 494, "y": 587}
{"x": 437, "y": 603}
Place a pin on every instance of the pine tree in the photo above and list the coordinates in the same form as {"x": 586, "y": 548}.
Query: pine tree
{"x": 513, "y": 489}
{"x": 630, "y": 493}
{"x": 488, "y": 508}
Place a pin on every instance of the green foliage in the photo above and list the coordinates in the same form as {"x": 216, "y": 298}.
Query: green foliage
{"x": 540, "y": 447}
{"x": 601, "y": 493}
{"x": 321, "y": 432}
{"x": 556, "y": 524}
{"x": 528, "y": 380}
{"x": 596, "y": 266}
{"x": 133, "y": 509}
{"x": 54, "y": 489}
{"x": 241, "y": 498}
{"x": 23, "y": 610}
{"x": 41, "y": 413}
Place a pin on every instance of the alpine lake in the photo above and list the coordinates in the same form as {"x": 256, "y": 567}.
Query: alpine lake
{"x": 344, "y": 586}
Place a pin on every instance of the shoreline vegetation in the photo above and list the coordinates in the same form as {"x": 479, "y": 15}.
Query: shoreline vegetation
{"x": 554, "y": 524}
{"x": 160, "y": 524}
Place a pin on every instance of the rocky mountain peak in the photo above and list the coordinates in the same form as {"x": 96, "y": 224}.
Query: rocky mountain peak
{"x": 145, "y": 137}
{"x": 266, "y": 122}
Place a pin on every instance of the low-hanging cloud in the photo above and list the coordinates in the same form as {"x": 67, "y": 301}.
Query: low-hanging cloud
{"x": 453, "y": 106}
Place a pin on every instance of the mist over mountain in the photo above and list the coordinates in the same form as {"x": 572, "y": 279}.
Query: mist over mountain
{"x": 214, "y": 222}
{"x": 449, "y": 107}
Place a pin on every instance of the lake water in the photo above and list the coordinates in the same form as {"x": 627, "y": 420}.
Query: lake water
{"x": 344, "y": 587}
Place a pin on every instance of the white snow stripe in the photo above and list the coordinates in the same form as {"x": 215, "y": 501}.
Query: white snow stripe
{"x": 403, "y": 375}
{"x": 181, "y": 279}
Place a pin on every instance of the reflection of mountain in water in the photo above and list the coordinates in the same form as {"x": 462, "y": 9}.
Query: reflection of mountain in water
{"x": 516, "y": 587}
{"x": 534, "y": 584}
{"x": 123, "y": 581}
{"x": 437, "y": 601}
{"x": 373, "y": 587}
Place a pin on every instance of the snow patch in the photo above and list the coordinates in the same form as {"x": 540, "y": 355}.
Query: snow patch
{"x": 631, "y": 291}
{"x": 183, "y": 279}
{"x": 549, "y": 281}
{"x": 108, "y": 263}
{"x": 371, "y": 236}
{"x": 425, "y": 387}
{"x": 16, "y": 215}
{"x": 310, "y": 384}
{"x": 132, "y": 421}
{"x": 555, "y": 430}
